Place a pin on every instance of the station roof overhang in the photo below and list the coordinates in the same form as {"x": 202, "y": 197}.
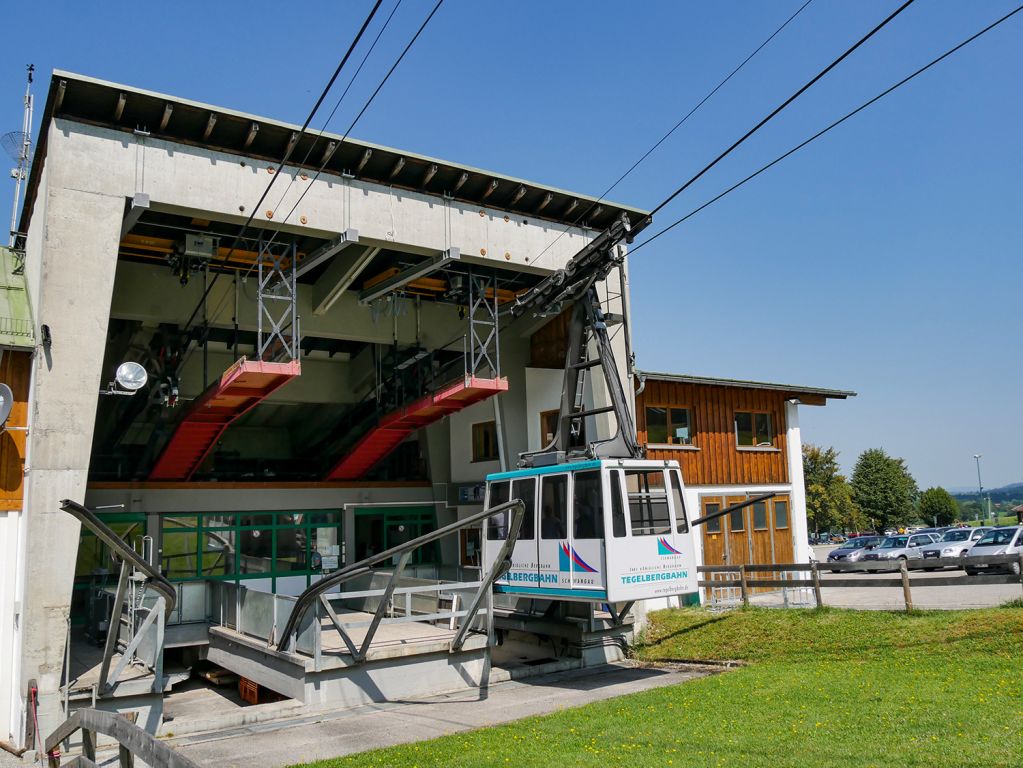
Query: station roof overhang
{"x": 805, "y": 395}
{"x": 120, "y": 107}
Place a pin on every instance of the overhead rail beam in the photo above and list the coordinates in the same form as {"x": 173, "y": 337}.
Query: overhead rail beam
{"x": 339, "y": 276}
{"x": 137, "y": 205}
{"x": 327, "y": 251}
{"x": 405, "y": 277}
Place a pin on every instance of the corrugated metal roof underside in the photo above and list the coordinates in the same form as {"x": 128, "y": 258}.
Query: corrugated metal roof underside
{"x": 121, "y": 107}
{"x": 796, "y": 389}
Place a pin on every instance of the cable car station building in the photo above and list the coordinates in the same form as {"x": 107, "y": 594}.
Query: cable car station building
{"x": 333, "y": 383}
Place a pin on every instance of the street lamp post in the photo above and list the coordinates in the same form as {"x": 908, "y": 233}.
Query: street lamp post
{"x": 980, "y": 486}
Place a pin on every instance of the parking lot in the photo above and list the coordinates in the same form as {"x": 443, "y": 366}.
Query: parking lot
{"x": 891, "y": 598}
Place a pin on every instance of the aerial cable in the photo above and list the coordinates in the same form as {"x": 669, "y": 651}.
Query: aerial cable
{"x": 835, "y": 124}
{"x": 337, "y": 104}
{"x": 649, "y": 217}
{"x": 666, "y": 136}
{"x": 368, "y": 102}
{"x": 287, "y": 155}
{"x": 327, "y": 158}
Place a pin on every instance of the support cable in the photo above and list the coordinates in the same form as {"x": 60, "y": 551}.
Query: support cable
{"x": 835, "y": 124}
{"x": 681, "y": 121}
{"x": 287, "y": 154}
{"x": 357, "y": 118}
{"x": 778, "y": 109}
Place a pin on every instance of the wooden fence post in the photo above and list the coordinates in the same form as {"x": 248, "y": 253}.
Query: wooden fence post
{"x": 904, "y": 569}
{"x": 743, "y": 587}
{"x": 815, "y": 573}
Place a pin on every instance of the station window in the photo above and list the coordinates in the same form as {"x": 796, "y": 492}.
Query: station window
{"x": 241, "y": 545}
{"x": 648, "y": 502}
{"x": 484, "y": 441}
{"x": 588, "y": 511}
{"x": 753, "y": 429}
{"x": 669, "y": 425}
{"x": 549, "y": 428}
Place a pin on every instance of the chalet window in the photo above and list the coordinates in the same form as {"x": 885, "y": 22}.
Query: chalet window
{"x": 753, "y": 429}
{"x": 484, "y": 441}
{"x": 781, "y": 514}
{"x": 549, "y": 428}
{"x": 667, "y": 425}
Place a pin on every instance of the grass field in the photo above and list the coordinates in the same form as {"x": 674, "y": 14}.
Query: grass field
{"x": 822, "y": 688}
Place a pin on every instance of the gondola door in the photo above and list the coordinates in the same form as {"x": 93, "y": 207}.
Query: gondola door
{"x": 553, "y": 547}
{"x": 584, "y": 552}
{"x": 524, "y": 571}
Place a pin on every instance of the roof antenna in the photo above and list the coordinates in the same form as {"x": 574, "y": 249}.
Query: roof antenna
{"x": 18, "y": 145}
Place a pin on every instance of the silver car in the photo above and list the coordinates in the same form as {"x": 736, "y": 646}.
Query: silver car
{"x": 854, "y": 549}
{"x": 955, "y": 543}
{"x": 896, "y": 548}
{"x": 997, "y": 541}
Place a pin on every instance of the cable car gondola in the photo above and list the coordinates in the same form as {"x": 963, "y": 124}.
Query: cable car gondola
{"x": 610, "y": 530}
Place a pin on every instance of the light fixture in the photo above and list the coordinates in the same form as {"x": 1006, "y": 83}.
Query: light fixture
{"x": 130, "y": 377}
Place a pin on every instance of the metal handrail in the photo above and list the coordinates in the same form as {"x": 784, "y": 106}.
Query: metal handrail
{"x": 105, "y": 534}
{"x": 129, "y": 736}
{"x": 306, "y": 599}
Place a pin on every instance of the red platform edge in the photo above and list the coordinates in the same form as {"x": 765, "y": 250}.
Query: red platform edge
{"x": 241, "y": 388}
{"x": 393, "y": 428}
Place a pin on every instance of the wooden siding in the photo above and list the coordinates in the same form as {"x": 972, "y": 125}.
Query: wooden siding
{"x": 548, "y": 345}
{"x": 717, "y": 460}
{"x": 15, "y": 369}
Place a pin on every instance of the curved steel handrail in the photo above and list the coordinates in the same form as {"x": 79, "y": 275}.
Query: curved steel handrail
{"x": 139, "y": 742}
{"x": 109, "y": 537}
{"x": 304, "y": 600}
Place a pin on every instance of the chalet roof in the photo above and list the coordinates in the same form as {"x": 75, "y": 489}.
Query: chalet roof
{"x": 124, "y": 108}
{"x": 794, "y": 389}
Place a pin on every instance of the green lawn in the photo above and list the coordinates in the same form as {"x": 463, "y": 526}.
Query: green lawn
{"x": 822, "y": 688}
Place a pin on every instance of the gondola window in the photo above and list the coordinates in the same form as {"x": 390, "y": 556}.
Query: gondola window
{"x": 648, "y": 503}
{"x": 588, "y": 513}
{"x": 526, "y": 490}
{"x": 497, "y": 525}
{"x": 554, "y": 507}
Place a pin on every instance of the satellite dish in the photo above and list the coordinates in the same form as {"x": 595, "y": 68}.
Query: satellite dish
{"x": 6, "y": 403}
{"x": 131, "y": 376}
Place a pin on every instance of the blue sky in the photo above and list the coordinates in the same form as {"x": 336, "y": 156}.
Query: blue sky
{"x": 885, "y": 258}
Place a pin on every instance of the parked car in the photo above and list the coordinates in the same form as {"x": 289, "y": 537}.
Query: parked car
{"x": 955, "y": 543}
{"x": 895, "y": 548}
{"x": 854, "y": 549}
{"x": 1007, "y": 540}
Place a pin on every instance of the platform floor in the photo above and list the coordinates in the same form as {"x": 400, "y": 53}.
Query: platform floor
{"x": 356, "y": 624}
{"x": 321, "y": 735}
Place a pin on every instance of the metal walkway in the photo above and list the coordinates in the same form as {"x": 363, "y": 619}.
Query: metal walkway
{"x": 393, "y": 428}
{"x": 242, "y": 387}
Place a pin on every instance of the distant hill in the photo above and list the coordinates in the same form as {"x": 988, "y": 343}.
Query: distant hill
{"x": 1010, "y": 492}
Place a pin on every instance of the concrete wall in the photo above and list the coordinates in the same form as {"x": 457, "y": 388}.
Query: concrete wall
{"x": 72, "y": 254}
{"x": 800, "y": 532}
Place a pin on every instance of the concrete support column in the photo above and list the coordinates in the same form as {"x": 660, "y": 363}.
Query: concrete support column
{"x": 76, "y": 242}
{"x": 797, "y": 514}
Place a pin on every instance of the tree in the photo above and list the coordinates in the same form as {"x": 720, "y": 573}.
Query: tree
{"x": 829, "y": 502}
{"x": 883, "y": 489}
{"x": 937, "y": 504}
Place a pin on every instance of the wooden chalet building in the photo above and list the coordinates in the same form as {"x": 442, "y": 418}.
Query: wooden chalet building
{"x": 734, "y": 440}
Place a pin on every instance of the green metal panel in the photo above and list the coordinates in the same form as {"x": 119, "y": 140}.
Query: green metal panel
{"x": 16, "y": 328}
